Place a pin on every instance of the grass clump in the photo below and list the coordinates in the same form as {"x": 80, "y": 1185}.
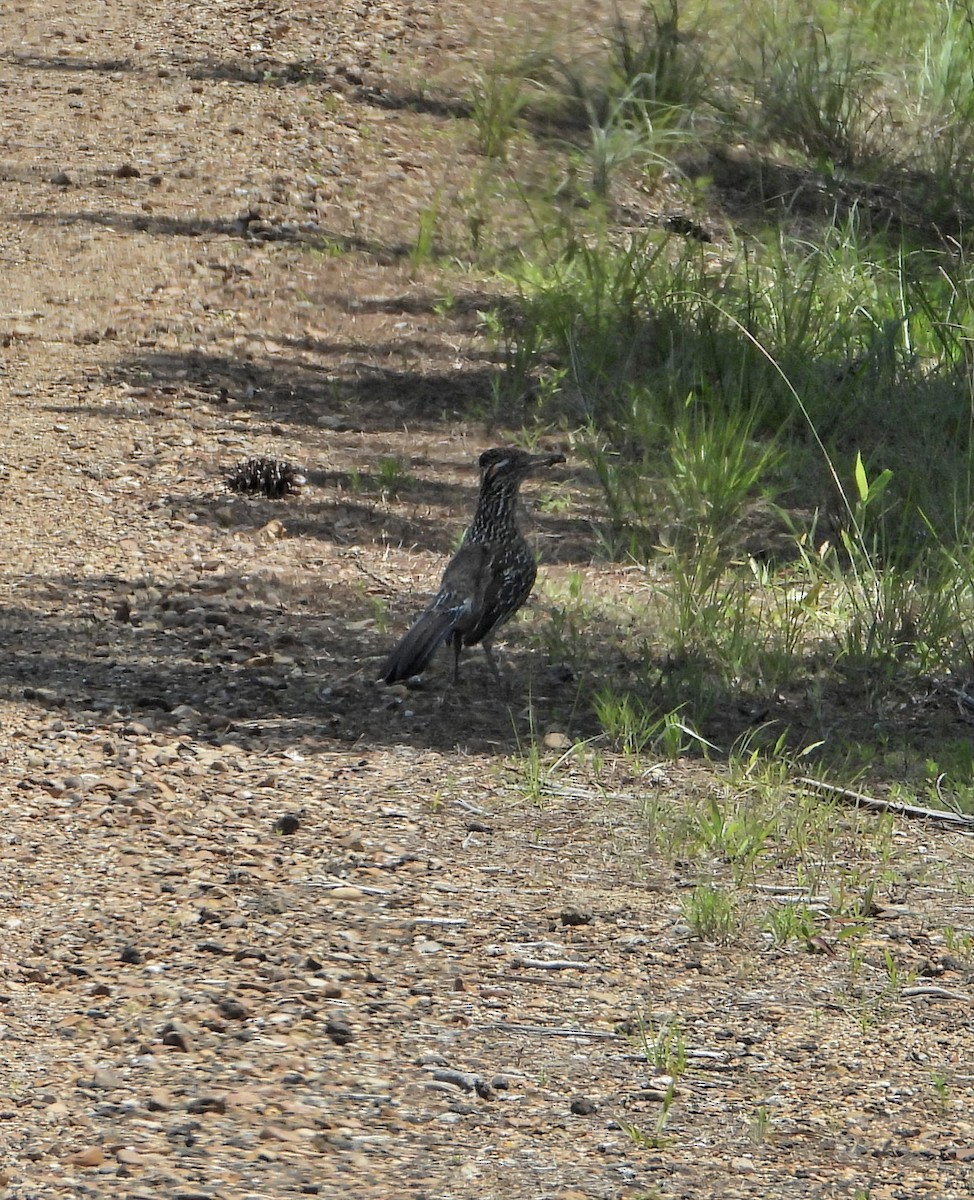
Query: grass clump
{"x": 392, "y": 476}
{"x": 815, "y": 92}
{"x": 746, "y": 425}
{"x": 711, "y": 914}
{"x": 498, "y": 98}
{"x": 632, "y": 727}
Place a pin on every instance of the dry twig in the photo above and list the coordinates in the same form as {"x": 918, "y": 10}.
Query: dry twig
{"x": 860, "y": 800}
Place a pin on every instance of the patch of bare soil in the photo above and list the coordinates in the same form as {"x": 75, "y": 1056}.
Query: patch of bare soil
{"x": 269, "y": 931}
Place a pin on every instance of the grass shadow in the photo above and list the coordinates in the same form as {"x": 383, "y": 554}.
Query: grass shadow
{"x": 754, "y": 189}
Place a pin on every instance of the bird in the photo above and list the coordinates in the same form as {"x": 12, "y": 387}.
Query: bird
{"x": 485, "y": 582}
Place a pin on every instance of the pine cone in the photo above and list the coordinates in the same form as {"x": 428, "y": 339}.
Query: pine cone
{"x": 268, "y": 476}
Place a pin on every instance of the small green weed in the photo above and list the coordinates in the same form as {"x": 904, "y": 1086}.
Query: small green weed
{"x": 897, "y": 979}
{"x": 711, "y": 914}
{"x": 533, "y": 771}
{"x": 536, "y": 767}
{"x": 380, "y": 614}
{"x": 656, "y": 1139}
{"x": 628, "y": 724}
{"x": 614, "y": 143}
{"x": 632, "y": 726}
{"x": 738, "y": 833}
{"x": 759, "y": 1126}
{"x": 958, "y": 943}
{"x": 424, "y": 246}
{"x": 791, "y": 923}
{"x": 663, "y": 1045}
{"x": 557, "y": 503}
{"x": 393, "y": 477}
{"x": 497, "y": 100}
{"x": 941, "y": 1089}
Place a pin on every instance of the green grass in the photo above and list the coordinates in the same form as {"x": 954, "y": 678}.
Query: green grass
{"x": 747, "y": 430}
{"x": 778, "y": 421}
{"x": 392, "y": 476}
{"x": 711, "y": 914}
{"x": 791, "y": 922}
{"x": 498, "y": 98}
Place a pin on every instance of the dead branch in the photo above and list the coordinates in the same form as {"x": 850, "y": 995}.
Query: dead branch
{"x": 859, "y": 800}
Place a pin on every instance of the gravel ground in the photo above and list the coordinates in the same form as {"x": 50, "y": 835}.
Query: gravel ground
{"x": 271, "y": 931}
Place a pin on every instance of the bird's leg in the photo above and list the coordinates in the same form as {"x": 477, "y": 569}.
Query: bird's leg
{"x": 457, "y": 647}
{"x": 501, "y": 682}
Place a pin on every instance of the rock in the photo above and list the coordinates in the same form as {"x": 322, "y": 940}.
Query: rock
{"x": 176, "y": 1035}
{"x": 340, "y": 1032}
{"x": 557, "y": 741}
{"x": 463, "y": 1080}
{"x": 104, "y": 1077}
{"x": 233, "y": 1009}
{"x": 207, "y": 1104}
{"x": 91, "y": 1156}
{"x": 159, "y": 1101}
{"x": 582, "y": 1106}
{"x": 334, "y": 422}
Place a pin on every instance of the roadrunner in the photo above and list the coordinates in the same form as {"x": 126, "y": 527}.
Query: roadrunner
{"x": 486, "y": 581}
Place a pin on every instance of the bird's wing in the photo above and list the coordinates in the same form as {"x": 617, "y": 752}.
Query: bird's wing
{"x": 457, "y": 606}
{"x": 508, "y": 576}
{"x": 465, "y": 583}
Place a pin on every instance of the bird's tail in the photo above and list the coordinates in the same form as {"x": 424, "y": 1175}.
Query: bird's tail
{"x": 412, "y": 653}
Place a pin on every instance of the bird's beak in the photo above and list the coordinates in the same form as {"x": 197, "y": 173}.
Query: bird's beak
{"x": 547, "y": 460}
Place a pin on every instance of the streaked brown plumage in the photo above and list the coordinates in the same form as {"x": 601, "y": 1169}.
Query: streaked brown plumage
{"x": 486, "y": 581}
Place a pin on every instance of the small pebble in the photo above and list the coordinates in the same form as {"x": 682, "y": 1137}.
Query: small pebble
{"x": 233, "y": 1009}
{"x": 207, "y": 1104}
{"x": 339, "y": 1031}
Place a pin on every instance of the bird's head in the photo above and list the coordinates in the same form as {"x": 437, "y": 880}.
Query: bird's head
{"x": 508, "y": 463}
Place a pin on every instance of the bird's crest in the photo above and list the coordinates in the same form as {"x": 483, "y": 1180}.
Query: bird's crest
{"x": 493, "y": 461}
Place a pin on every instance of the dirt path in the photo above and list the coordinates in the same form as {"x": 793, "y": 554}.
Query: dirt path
{"x": 203, "y": 210}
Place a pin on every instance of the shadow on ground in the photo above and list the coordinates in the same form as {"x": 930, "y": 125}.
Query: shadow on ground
{"x": 58, "y": 62}
{"x": 228, "y": 653}
{"x": 427, "y": 513}
{"x": 348, "y": 394}
{"x": 232, "y": 658}
{"x": 246, "y": 225}
{"x": 889, "y": 199}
